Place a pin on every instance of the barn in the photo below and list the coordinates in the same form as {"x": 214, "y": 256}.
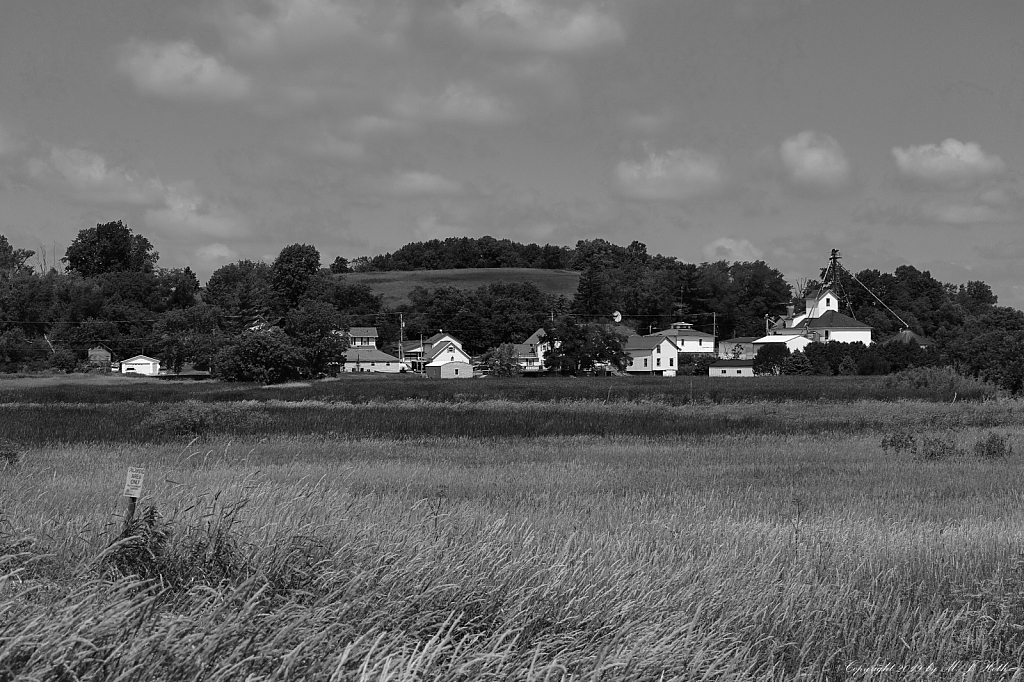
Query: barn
{"x": 141, "y": 364}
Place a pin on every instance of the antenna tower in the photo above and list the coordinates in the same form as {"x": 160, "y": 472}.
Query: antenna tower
{"x": 831, "y": 279}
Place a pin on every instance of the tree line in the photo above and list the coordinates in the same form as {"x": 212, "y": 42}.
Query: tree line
{"x": 110, "y": 290}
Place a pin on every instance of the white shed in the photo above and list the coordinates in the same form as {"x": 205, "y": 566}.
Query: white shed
{"x": 141, "y": 364}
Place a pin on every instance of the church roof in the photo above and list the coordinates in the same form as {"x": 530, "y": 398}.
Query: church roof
{"x": 833, "y": 320}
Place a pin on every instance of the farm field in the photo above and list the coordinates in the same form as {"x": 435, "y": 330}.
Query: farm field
{"x": 396, "y": 285}
{"x": 640, "y": 530}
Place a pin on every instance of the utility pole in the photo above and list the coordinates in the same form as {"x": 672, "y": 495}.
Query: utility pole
{"x": 401, "y": 339}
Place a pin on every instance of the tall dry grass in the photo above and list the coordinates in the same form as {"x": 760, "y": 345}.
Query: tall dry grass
{"x": 743, "y": 556}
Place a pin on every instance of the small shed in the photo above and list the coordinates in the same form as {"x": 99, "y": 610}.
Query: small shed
{"x": 731, "y": 368}
{"x": 141, "y": 364}
{"x": 99, "y": 355}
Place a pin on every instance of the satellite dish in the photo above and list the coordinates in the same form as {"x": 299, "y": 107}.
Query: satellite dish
{"x": 617, "y": 316}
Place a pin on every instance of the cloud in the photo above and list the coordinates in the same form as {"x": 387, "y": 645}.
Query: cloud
{"x": 214, "y": 253}
{"x": 538, "y": 25}
{"x": 815, "y": 160}
{"x": 8, "y": 143}
{"x": 731, "y": 249}
{"x": 267, "y": 27}
{"x": 950, "y": 164}
{"x": 961, "y": 213}
{"x": 186, "y": 212}
{"x": 422, "y": 185}
{"x": 379, "y": 125}
{"x": 86, "y": 175}
{"x": 462, "y": 102}
{"x": 676, "y": 175}
{"x": 180, "y": 70}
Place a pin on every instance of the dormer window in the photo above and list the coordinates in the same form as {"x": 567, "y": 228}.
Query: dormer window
{"x": 828, "y": 302}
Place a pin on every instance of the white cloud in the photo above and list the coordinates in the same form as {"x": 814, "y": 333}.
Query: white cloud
{"x": 373, "y": 125}
{"x": 214, "y": 253}
{"x": 86, "y": 175}
{"x": 548, "y": 25}
{"x": 274, "y": 26}
{"x": 462, "y": 102}
{"x": 421, "y": 185}
{"x": 180, "y": 69}
{"x": 952, "y": 163}
{"x": 815, "y": 160}
{"x": 961, "y": 213}
{"x": 676, "y": 175}
{"x": 186, "y": 212}
{"x": 731, "y": 249}
{"x": 8, "y": 143}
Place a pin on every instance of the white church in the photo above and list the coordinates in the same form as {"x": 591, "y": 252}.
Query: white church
{"x": 820, "y": 321}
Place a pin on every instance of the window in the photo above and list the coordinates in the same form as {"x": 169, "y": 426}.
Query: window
{"x": 826, "y": 335}
{"x": 723, "y": 371}
{"x": 828, "y": 302}
{"x": 700, "y": 342}
{"x": 659, "y": 362}
{"x": 456, "y": 372}
{"x": 645, "y": 362}
{"x": 739, "y": 371}
{"x": 657, "y": 349}
{"x": 670, "y": 362}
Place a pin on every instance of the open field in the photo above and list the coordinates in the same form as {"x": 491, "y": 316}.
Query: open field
{"x": 495, "y": 535}
{"x": 396, "y": 285}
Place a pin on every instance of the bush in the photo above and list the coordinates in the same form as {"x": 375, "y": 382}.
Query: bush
{"x": 10, "y": 455}
{"x": 196, "y": 418}
{"x": 941, "y": 381}
{"x": 993, "y": 446}
{"x": 269, "y": 357}
{"x": 938, "y": 447}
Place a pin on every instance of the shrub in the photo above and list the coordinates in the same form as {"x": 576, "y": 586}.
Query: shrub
{"x": 9, "y": 454}
{"x": 993, "y": 446}
{"x": 942, "y": 382}
{"x": 196, "y": 418}
{"x": 938, "y": 447}
{"x": 900, "y": 442}
{"x": 269, "y": 357}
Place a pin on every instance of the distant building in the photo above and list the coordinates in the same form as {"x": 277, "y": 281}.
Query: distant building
{"x": 654, "y": 354}
{"x": 739, "y": 348}
{"x": 368, "y": 359}
{"x": 689, "y": 340}
{"x": 141, "y": 364}
{"x": 731, "y": 368}
{"x": 447, "y": 360}
{"x": 416, "y": 353}
{"x": 99, "y": 355}
{"x": 821, "y": 321}
{"x": 362, "y": 337}
{"x": 532, "y": 352}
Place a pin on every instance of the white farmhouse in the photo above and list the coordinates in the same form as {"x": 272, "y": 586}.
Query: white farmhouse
{"x": 654, "y": 354}
{"x": 363, "y": 359}
{"x": 141, "y": 364}
{"x": 821, "y": 321}
{"x": 532, "y": 352}
{"x": 447, "y": 360}
{"x": 362, "y": 337}
{"x": 687, "y": 339}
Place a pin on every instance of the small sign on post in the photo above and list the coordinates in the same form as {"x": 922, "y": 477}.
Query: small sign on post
{"x": 133, "y": 491}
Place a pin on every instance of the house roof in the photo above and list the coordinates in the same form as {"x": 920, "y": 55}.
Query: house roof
{"x": 141, "y": 358}
{"x": 637, "y": 342}
{"x": 535, "y": 338}
{"x": 733, "y": 363}
{"x": 908, "y": 337}
{"x": 740, "y": 339}
{"x": 780, "y": 338}
{"x": 368, "y": 355}
{"x": 439, "y": 348}
{"x": 834, "y": 320}
{"x": 685, "y": 333}
{"x": 362, "y": 331}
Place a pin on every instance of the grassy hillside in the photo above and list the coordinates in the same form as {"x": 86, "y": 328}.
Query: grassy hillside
{"x": 396, "y": 285}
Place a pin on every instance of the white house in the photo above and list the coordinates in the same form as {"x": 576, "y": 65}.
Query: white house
{"x": 821, "y": 321}
{"x": 416, "y": 353}
{"x": 793, "y": 342}
{"x": 532, "y": 352}
{"x": 689, "y": 340}
{"x": 362, "y": 337}
{"x": 141, "y": 364}
{"x": 654, "y": 354}
{"x": 363, "y": 359}
{"x": 447, "y": 360}
{"x": 731, "y": 369}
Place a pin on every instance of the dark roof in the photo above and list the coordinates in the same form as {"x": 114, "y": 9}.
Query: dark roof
{"x": 741, "y": 339}
{"x": 637, "y": 342}
{"x": 368, "y": 355}
{"x": 690, "y": 333}
{"x": 908, "y": 337}
{"x": 833, "y": 320}
{"x": 362, "y": 331}
{"x": 733, "y": 363}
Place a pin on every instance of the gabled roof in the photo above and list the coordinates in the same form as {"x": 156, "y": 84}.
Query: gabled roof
{"x": 834, "y": 320}
{"x": 368, "y": 355}
{"x": 439, "y": 348}
{"x": 141, "y": 358}
{"x": 637, "y": 342}
{"x": 535, "y": 338}
{"x": 362, "y": 331}
{"x": 685, "y": 333}
{"x": 740, "y": 339}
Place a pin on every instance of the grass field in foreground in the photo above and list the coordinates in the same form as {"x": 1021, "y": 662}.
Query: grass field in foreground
{"x": 733, "y": 555}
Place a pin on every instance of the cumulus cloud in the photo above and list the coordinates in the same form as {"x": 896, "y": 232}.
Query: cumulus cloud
{"x": 422, "y": 185}
{"x": 462, "y": 102}
{"x": 541, "y": 25}
{"x": 180, "y": 70}
{"x": 86, "y": 175}
{"x": 950, "y": 164}
{"x": 255, "y": 27}
{"x": 815, "y": 160}
{"x": 216, "y": 253}
{"x": 961, "y": 213}
{"x": 731, "y": 249}
{"x": 186, "y": 212}
{"x": 676, "y": 175}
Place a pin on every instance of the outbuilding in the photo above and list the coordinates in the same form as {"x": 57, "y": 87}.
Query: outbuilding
{"x": 141, "y": 364}
{"x": 731, "y": 368}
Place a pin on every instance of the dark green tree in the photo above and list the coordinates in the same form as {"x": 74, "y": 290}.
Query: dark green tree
{"x": 291, "y": 273}
{"x": 578, "y": 347}
{"x": 269, "y": 357}
{"x": 110, "y": 247}
{"x": 316, "y": 329}
{"x": 770, "y": 358}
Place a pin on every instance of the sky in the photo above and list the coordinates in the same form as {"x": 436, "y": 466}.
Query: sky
{"x": 706, "y": 129}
